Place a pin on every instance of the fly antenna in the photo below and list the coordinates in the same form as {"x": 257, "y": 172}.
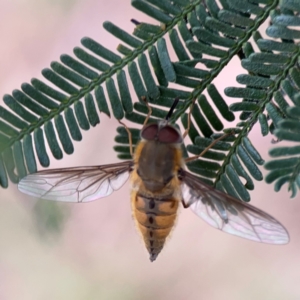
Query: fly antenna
{"x": 169, "y": 114}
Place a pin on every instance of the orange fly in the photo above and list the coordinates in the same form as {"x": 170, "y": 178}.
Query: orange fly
{"x": 159, "y": 183}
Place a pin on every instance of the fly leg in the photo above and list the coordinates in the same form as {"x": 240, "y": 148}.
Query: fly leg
{"x": 189, "y": 119}
{"x": 209, "y": 147}
{"x": 149, "y": 111}
{"x": 145, "y": 122}
{"x": 185, "y": 205}
{"x": 129, "y": 137}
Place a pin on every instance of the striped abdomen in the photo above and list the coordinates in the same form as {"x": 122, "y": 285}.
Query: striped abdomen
{"x": 155, "y": 219}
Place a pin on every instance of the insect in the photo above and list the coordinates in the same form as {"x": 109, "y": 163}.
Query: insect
{"x": 159, "y": 184}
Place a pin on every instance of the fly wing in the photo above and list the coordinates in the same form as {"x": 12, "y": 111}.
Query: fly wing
{"x": 80, "y": 184}
{"x": 231, "y": 215}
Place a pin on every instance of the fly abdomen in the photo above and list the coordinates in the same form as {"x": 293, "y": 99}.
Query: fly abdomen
{"x": 155, "y": 219}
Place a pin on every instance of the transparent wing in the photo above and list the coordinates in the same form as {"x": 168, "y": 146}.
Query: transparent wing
{"x": 229, "y": 214}
{"x": 80, "y": 184}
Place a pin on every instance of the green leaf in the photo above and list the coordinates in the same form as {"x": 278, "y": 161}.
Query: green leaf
{"x": 63, "y": 133}
{"x": 114, "y": 99}
{"x": 81, "y": 116}
{"x": 152, "y": 89}
{"x": 204, "y": 37}
{"x": 151, "y": 11}
{"x": 52, "y": 141}
{"x": 165, "y": 61}
{"x": 40, "y": 148}
{"x": 263, "y": 124}
{"x": 72, "y": 125}
{"x": 78, "y": 67}
{"x": 100, "y": 50}
{"x": 122, "y": 35}
{"x": 245, "y": 7}
{"x": 91, "y": 110}
{"x": 29, "y": 154}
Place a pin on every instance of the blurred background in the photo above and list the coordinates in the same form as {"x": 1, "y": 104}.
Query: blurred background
{"x": 92, "y": 251}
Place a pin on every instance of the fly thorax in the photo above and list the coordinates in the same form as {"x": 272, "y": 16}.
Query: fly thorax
{"x": 156, "y": 165}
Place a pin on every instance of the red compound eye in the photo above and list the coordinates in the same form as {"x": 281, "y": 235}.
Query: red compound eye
{"x": 149, "y": 133}
{"x": 169, "y": 134}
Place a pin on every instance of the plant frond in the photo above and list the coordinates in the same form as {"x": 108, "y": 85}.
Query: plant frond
{"x": 285, "y": 168}
{"x": 271, "y": 92}
{"x": 205, "y": 36}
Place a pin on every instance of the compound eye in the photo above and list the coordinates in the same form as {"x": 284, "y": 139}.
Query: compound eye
{"x": 149, "y": 133}
{"x": 169, "y": 134}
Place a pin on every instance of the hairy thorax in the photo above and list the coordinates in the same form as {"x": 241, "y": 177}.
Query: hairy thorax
{"x": 157, "y": 165}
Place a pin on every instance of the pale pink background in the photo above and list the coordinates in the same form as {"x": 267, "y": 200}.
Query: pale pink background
{"x": 99, "y": 255}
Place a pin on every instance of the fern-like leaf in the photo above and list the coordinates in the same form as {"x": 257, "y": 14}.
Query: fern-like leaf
{"x": 272, "y": 92}
{"x": 205, "y": 36}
